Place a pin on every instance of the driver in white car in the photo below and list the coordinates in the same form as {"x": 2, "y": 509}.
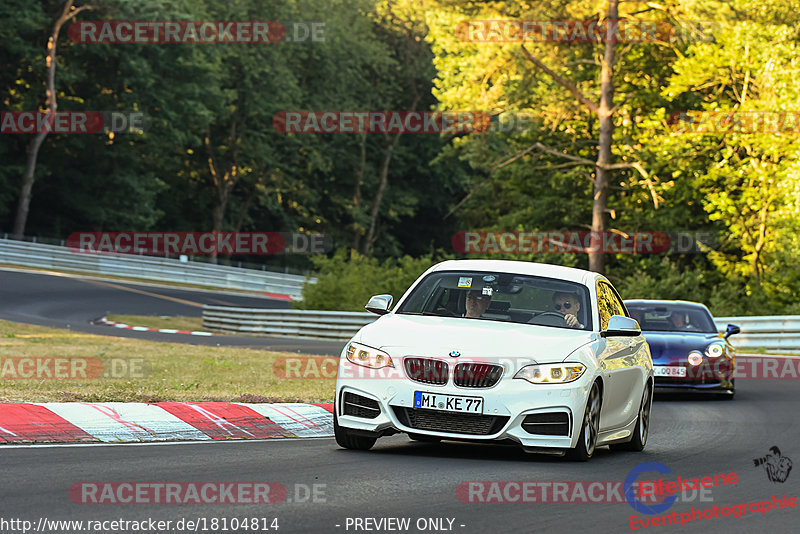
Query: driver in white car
{"x": 477, "y": 303}
{"x": 567, "y": 305}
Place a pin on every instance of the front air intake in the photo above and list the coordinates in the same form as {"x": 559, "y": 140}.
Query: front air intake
{"x": 359, "y": 406}
{"x": 450, "y": 422}
{"x": 547, "y": 424}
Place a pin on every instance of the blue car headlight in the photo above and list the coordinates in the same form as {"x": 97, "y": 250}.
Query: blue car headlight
{"x": 715, "y": 350}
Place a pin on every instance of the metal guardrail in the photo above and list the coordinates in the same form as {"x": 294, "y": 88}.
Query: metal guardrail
{"x": 775, "y": 332}
{"x": 772, "y": 333}
{"x": 333, "y": 325}
{"x": 151, "y": 268}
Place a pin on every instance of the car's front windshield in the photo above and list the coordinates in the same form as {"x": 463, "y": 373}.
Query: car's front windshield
{"x": 672, "y": 318}
{"x": 506, "y": 297}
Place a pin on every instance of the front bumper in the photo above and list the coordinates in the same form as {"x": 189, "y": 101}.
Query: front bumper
{"x": 506, "y": 406}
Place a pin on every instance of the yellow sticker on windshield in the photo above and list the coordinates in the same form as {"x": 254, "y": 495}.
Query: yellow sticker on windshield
{"x": 464, "y": 281}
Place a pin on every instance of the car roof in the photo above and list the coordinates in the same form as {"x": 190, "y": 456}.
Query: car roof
{"x": 646, "y": 302}
{"x": 521, "y": 267}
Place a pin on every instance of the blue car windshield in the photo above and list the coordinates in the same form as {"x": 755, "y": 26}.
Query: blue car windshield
{"x": 672, "y": 318}
{"x": 504, "y": 297}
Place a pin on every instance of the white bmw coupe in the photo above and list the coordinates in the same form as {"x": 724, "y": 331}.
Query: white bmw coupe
{"x": 540, "y": 355}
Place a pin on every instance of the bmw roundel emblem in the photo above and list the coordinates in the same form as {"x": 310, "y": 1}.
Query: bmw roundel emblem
{"x": 454, "y": 354}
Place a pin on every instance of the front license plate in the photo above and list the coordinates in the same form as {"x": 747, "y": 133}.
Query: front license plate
{"x": 448, "y": 403}
{"x": 666, "y": 370}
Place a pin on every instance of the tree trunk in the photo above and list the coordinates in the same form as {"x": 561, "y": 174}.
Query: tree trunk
{"x": 372, "y": 235}
{"x": 604, "y": 112}
{"x": 23, "y": 207}
{"x": 21, "y": 219}
{"x": 223, "y": 183}
{"x": 248, "y": 203}
{"x": 358, "y": 178}
{"x": 223, "y": 194}
{"x": 218, "y": 218}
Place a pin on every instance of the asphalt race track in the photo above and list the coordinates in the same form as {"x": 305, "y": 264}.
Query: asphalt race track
{"x": 67, "y": 301}
{"x": 400, "y": 478}
{"x": 692, "y": 436}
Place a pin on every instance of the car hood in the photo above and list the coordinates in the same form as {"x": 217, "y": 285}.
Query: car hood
{"x": 673, "y": 346}
{"x": 403, "y": 335}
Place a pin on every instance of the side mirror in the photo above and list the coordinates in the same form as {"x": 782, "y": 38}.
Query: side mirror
{"x": 379, "y": 304}
{"x": 732, "y": 329}
{"x": 619, "y": 325}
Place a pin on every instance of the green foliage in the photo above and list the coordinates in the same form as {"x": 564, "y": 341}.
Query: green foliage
{"x": 390, "y": 55}
{"x": 725, "y": 296}
{"x": 373, "y": 57}
{"x": 662, "y": 280}
{"x": 346, "y": 283}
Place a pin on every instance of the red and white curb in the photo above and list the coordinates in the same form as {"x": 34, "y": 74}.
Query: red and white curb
{"x": 278, "y": 296}
{"x": 106, "y": 322}
{"x": 115, "y": 422}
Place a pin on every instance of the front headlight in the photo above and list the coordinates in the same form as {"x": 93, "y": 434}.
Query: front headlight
{"x": 695, "y": 358}
{"x": 556, "y": 373}
{"x": 715, "y": 350}
{"x": 368, "y": 357}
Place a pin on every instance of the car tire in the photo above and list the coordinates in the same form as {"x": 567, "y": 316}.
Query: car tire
{"x": 425, "y": 439}
{"x": 348, "y": 440}
{"x": 642, "y": 429}
{"x": 590, "y": 428}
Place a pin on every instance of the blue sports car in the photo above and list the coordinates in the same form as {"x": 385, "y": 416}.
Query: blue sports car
{"x": 688, "y": 352}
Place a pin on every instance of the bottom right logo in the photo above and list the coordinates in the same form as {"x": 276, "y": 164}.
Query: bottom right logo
{"x": 776, "y": 466}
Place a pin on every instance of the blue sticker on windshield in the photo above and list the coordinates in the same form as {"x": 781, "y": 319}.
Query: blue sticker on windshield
{"x": 489, "y": 278}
